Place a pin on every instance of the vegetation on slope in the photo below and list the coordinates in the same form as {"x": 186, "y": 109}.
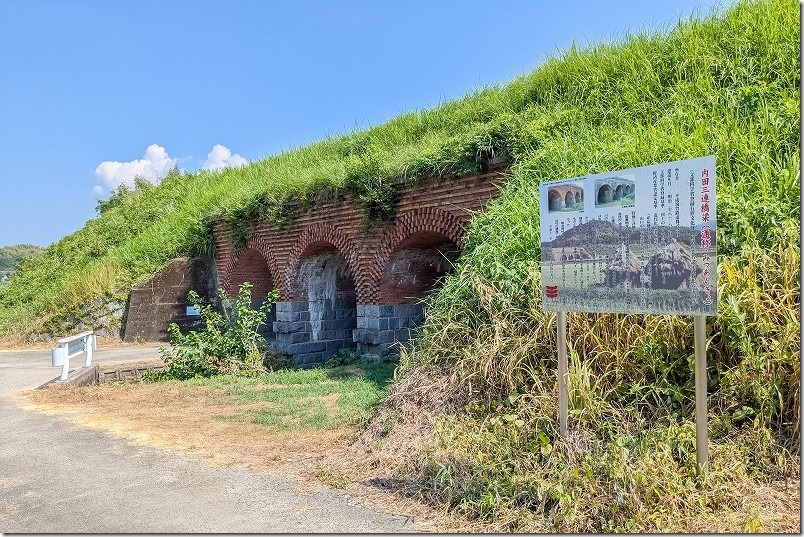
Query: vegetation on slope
{"x": 139, "y": 234}
{"x": 727, "y": 86}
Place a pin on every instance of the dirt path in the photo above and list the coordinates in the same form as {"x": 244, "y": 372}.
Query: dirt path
{"x": 61, "y": 478}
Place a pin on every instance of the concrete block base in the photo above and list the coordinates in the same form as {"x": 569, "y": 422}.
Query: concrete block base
{"x": 312, "y": 331}
{"x": 381, "y": 329}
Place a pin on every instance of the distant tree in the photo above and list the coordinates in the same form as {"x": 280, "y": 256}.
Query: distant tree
{"x": 142, "y": 185}
{"x": 12, "y": 256}
{"x": 116, "y": 197}
{"x": 173, "y": 174}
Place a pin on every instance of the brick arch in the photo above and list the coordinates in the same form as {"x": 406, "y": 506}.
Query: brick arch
{"x": 263, "y": 246}
{"x": 428, "y": 219}
{"x": 235, "y": 258}
{"x": 319, "y": 233}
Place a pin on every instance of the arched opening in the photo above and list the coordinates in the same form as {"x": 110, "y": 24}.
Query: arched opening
{"x": 554, "y": 200}
{"x": 416, "y": 267}
{"x": 326, "y": 281}
{"x": 569, "y": 200}
{"x": 618, "y": 192}
{"x": 250, "y": 266}
{"x": 604, "y": 194}
{"x": 577, "y": 197}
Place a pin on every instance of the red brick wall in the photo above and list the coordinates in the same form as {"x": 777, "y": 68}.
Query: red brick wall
{"x": 411, "y": 272}
{"x": 250, "y": 266}
{"x": 441, "y": 207}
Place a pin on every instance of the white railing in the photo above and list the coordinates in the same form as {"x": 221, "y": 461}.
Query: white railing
{"x": 70, "y": 347}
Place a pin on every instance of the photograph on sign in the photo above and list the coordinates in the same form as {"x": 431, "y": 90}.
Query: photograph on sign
{"x": 632, "y": 241}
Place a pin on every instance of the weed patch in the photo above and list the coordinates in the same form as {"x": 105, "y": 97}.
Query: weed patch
{"x": 296, "y": 399}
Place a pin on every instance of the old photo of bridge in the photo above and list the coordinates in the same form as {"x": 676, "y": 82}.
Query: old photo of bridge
{"x": 565, "y": 198}
{"x": 617, "y": 191}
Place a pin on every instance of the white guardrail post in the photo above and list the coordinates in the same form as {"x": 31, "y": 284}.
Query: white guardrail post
{"x": 70, "y": 347}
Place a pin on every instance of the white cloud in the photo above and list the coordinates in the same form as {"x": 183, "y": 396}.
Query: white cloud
{"x": 153, "y": 166}
{"x": 221, "y": 157}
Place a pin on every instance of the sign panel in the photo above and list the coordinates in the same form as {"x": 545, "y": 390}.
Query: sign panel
{"x": 641, "y": 240}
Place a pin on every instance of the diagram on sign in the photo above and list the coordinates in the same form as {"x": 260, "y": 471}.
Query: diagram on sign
{"x": 643, "y": 242}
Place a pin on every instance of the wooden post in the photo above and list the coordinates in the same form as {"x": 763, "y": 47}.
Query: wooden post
{"x": 701, "y": 393}
{"x": 563, "y": 398}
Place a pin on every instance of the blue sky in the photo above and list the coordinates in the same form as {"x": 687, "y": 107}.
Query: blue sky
{"x": 144, "y": 85}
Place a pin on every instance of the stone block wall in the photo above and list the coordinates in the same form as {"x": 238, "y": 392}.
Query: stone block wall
{"x": 162, "y": 298}
{"x": 380, "y": 329}
{"x": 308, "y": 344}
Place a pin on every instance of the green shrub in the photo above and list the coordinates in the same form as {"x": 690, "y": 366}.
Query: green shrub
{"x": 229, "y": 344}
{"x": 343, "y": 357}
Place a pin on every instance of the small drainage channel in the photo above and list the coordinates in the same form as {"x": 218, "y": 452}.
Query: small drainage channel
{"x": 102, "y": 373}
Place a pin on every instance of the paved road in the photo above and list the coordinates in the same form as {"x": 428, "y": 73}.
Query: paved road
{"x": 56, "y": 477}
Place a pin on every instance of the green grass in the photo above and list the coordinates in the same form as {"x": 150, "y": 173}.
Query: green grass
{"x": 300, "y": 399}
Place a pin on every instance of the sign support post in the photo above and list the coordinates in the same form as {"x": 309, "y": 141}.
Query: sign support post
{"x": 563, "y": 397}
{"x": 701, "y": 407}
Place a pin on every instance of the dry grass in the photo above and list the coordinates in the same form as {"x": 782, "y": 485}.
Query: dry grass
{"x": 409, "y": 429}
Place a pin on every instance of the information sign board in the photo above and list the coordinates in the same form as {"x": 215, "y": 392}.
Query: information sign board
{"x": 641, "y": 240}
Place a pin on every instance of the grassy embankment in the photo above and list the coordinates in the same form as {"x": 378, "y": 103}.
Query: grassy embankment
{"x": 471, "y": 422}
